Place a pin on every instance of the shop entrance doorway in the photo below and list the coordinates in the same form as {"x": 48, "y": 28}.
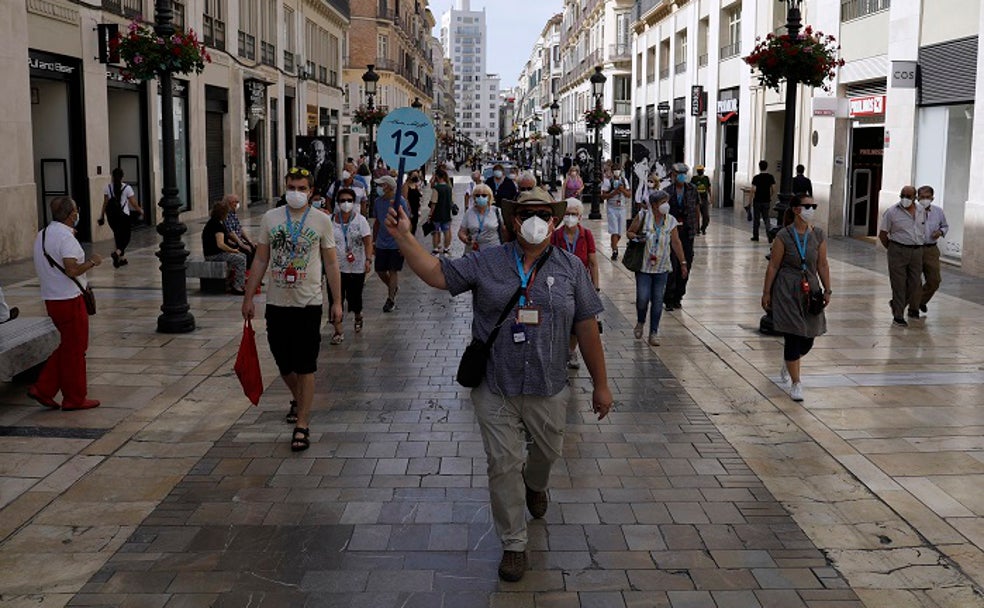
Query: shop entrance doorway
{"x": 867, "y": 154}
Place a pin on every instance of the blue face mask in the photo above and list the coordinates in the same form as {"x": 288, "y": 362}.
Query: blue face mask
{"x": 497, "y": 174}
{"x": 380, "y": 191}
{"x": 682, "y": 178}
{"x": 481, "y": 201}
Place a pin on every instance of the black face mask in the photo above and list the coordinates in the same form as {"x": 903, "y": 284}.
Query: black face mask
{"x": 415, "y": 179}
{"x": 525, "y": 189}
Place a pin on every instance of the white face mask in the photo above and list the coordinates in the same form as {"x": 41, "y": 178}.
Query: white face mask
{"x": 807, "y": 215}
{"x": 534, "y": 230}
{"x": 346, "y": 175}
{"x": 906, "y": 202}
{"x": 926, "y": 202}
{"x": 346, "y": 207}
{"x": 296, "y": 199}
{"x": 571, "y": 221}
{"x": 664, "y": 208}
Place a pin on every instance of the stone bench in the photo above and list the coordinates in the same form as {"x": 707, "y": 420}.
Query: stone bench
{"x": 212, "y": 276}
{"x": 24, "y": 343}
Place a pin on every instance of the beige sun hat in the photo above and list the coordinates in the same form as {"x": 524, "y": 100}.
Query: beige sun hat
{"x": 537, "y": 197}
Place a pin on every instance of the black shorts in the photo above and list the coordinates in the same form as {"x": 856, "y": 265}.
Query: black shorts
{"x": 294, "y": 335}
{"x": 388, "y": 260}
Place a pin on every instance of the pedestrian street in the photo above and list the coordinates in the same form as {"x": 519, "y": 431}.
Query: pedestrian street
{"x": 705, "y": 487}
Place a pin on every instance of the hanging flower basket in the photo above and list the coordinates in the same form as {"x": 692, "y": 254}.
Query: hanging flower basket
{"x": 555, "y": 130}
{"x": 148, "y": 55}
{"x": 367, "y": 117}
{"x": 596, "y": 118}
{"x": 810, "y": 58}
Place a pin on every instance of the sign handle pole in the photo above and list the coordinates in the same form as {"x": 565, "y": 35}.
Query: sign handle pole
{"x": 399, "y": 184}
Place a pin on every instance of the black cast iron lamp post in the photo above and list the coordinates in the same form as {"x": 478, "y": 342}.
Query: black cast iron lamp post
{"x": 793, "y": 22}
{"x": 416, "y": 105}
{"x": 175, "y": 317}
{"x": 370, "y": 78}
{"x": 598, "y": 89}
{"x": 554, "y": 109}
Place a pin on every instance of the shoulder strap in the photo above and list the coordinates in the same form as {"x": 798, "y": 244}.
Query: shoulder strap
{"x": 512, "y": 302}
{"x": 55, "y": 264}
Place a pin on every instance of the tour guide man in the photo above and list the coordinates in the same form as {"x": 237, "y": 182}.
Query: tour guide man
{"x": 525, "y": 389}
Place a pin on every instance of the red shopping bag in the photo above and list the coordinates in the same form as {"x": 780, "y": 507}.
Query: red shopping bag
{"x": 248, "y": 365}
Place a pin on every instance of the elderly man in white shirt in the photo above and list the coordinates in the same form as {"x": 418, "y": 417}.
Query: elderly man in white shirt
{"x": 61, "y": 266}
{"x": 936, "y": 228}
{"x": 902, "y": 234}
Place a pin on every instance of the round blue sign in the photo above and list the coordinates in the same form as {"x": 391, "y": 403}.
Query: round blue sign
{"x": 406, "y": 134}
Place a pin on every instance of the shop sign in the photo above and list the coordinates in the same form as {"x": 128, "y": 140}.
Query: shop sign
{"x": 872, "y": 105}
{"x": 825, "y": 106}
{"x": 904, "y": 74}
{"x": 256, "y": 91}
{"x": 54, "y": 66}
{"x": 664, "y": 109}
{"x": 621, "y": 131}
{"x": 727, "y": 106}
{"x": 697, "y": 100}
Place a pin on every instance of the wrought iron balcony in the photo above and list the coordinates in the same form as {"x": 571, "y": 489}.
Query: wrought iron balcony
{"x": 731, "y": 50}
{"x": 855, "y": 9}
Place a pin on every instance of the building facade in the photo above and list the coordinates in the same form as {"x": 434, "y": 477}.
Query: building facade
{"x": 274, "y": 76}
{"x": 465, "y": 40}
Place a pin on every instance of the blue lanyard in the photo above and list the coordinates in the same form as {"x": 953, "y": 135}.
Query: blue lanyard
{"x": 481, "y": 219}
{"x": 345, "y": 227}
{"x": 571, "y": 247}
{"x": 524, "y": 277}
{"x": 801, "y": 247}
{"x": 294, "y": 230}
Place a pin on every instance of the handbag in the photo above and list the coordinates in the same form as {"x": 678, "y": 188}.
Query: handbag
{"x": 475, "y": 359}
{"x": 248, "y": 365}
{"x": 635, "y": 251}
{"x": 455, "y": 209}
{"x": 427, "y": 227}
{"x": 88, "y": 297}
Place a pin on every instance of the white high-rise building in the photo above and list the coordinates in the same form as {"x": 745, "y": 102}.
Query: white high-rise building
{"x": 476, "y": 93}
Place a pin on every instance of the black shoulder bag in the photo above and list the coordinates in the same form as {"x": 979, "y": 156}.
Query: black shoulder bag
{"x": 475, "y": 359}
{"x": 814, "y": 297}
{"x": 87, "y": 296}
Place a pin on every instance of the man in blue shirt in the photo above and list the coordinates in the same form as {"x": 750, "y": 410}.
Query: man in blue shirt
{"x": 389, "y": 260}
{"x": 936, "y": 228}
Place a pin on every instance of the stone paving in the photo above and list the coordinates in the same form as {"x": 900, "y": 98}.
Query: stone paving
{"x": 705, "y": 487}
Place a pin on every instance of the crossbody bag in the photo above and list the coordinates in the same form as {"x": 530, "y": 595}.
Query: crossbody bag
{"x": 87, "y": 296}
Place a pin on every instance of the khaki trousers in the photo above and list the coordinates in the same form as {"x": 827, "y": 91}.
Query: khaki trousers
{"x": 905, "y": 265}
{"x": 931, "y": 272}
{"x": 506, "y": 423}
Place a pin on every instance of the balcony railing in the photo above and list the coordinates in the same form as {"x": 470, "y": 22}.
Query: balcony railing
{"x": 644, "y": 6}
{"x": 854, "y": 9}
{"x": 702, "y": 61}
{"x": 268, "y": 54}
{"x": 247, "y": 45}
{"x": 127, "y": 8}
{"x": 680, "y": 68}
{"x": 731, "y": 50}
{"x": 621, "y": 51}
{"x": 664, "y": 73}
{"x": 214, "y": 32}
{"x": 623, "y": 107}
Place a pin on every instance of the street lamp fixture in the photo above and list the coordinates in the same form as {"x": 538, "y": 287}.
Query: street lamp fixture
{"x": 793, "y": 23}
{"x": 175, "y": 317}
{"x": 598, "y": 88}
{"x": 416, "y": 105}
{"x": 369, "y": 79}
{"x": 554, "y": 111}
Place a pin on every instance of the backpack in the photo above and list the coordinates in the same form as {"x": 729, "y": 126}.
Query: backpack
{"x": 115, "y": 207}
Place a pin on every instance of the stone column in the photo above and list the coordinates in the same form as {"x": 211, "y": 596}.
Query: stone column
{"x": 972, "y": 255}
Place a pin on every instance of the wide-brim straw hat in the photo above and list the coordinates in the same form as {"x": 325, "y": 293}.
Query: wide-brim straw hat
{"x": 537, "y": 197}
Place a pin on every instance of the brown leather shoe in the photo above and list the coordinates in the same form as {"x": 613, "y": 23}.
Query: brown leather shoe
{"x": 513, "y": 566}
{"x": 537, "y": 503}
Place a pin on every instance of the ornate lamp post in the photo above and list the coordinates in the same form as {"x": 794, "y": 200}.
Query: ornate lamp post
{"x": 370, "y": 78}
{"x": 522, "y": 150}
{"x": 793, "y": 22}
{"x": 416, "y": 105}
{"x": 175, "y": 317}
{"x": 554, "y": 110}
{"x": 598, "y": 89}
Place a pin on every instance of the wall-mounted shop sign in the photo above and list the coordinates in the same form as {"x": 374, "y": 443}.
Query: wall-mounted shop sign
{"x": 904, "y": 74}
{"x": 664, "y": 109}
{"x": 698, "y": 102}
{"x": 46, "y": 63}
{"x": 872, "y": 105}
{"x": 727, "y": 106}
{"x": 621, "y": 131}
{"x": 256, "y": 99}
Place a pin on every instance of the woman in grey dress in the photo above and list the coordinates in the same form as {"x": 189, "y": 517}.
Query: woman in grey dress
{"x": 798, "y": 251}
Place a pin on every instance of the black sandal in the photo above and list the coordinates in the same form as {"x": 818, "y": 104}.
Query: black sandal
{"x": 292, "y": 413}
{"x": 299, "y": 444}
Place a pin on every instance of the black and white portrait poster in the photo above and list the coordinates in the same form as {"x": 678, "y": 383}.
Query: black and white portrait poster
{"x": 317, "y": 155}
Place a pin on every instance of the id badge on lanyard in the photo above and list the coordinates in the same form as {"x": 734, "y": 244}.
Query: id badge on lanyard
{"x": 290, "y": 273}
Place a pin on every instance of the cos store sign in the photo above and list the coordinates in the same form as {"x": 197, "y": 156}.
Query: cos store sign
{"x": 904, "y": 74}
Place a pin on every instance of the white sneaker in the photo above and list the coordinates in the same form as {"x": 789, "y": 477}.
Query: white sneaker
{"x": 783, "y": 375}
{"x": 796, "y": 393}
{"x": 638, "y": 331}
{"x": 653, "y": 340}
{"x": 572, "y": 362}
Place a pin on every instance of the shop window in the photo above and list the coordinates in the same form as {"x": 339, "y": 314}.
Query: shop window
{"x": 213, "y": 24}
{"x": 248, "y": 24}
{"x": 945, "y": 136}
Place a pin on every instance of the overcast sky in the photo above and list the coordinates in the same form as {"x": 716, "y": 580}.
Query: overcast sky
{"x": 512, "y": 28}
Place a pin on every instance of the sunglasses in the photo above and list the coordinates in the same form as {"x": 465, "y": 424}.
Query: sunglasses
{"x": 809, "y": 206}
{"x": 298, "y": 171}
{"x": 543, "y": 214}
{"x": 346, "y": 200}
